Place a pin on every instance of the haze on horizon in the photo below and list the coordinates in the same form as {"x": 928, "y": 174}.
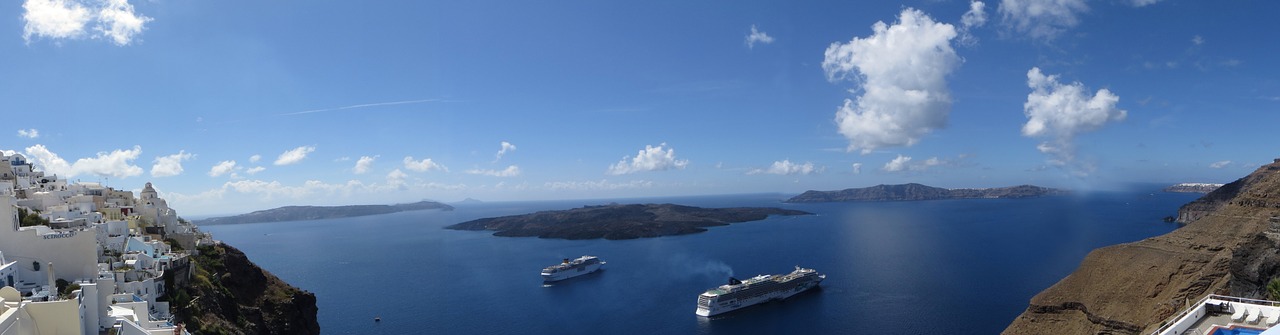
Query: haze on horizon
{"x": 229, "y": 108}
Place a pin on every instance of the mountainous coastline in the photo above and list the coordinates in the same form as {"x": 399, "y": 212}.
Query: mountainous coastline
{"x": 222, "y": 292}
{"x": 1228, "y": 247}
{"x": 1193, "y": 188}
{"x": 619, "y": 222}
{"x": 297, "y": 213}
{"x": 913, "y": 191}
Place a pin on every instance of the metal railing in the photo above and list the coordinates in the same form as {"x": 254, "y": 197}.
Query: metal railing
{"x": 1172, "y": 321}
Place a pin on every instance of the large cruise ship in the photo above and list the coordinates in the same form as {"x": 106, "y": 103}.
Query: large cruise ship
{"x": 571, "y": 268}
{"x": 738, "y": 294}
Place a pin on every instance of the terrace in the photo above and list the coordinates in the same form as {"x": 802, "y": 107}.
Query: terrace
{"x": 1216, "y": 314}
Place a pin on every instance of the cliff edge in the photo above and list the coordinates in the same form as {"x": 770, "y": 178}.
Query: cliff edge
{"x": 222, "y": 292}
{"x": 1229, "y": 247}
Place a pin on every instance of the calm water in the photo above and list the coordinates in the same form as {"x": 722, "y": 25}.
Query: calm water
{"x": 949, "y": 266}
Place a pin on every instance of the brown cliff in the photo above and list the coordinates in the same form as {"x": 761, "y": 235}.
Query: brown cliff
{"x": 228, "y": 294}
{"x": 1230, "y": 248}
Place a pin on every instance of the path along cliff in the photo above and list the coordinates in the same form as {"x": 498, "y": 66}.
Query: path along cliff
{"x": 1228, "y": 247}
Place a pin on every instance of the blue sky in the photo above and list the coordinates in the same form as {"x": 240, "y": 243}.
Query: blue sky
{"x": 232, "y": 106}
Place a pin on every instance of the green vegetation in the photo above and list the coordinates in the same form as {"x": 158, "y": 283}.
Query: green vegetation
{"x": 30, "y": 218}
{"x": 1273, "y": 289}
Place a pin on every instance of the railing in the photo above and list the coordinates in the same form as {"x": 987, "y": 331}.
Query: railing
{"x": 1172, "y": 321}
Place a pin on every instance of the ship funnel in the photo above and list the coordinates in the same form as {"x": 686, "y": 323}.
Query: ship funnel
{"x": 566, "y": 261}
{"x": 734, "y": 281}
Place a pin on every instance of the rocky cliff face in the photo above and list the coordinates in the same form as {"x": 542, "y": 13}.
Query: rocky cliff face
{"x": 1230, "y": 247}
{"x": 228, "y": 294}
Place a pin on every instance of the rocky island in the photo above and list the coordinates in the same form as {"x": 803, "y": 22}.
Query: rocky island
{"x": 1228, "y": 247}
{"x": 620, "y": 222}
{"x": 298, "y": 213}
{"x": 913, "y": 191}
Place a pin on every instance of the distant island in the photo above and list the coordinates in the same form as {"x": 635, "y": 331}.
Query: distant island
{"x": 297, "y": 213}
{"x": 1192, "y": 188}
{"x": 913, "y": 191}
{"x": 620, "y": 222}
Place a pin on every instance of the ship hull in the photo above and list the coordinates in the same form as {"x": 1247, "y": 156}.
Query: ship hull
{"x": 562, "y": 275}
{"x": 721, "y": 307}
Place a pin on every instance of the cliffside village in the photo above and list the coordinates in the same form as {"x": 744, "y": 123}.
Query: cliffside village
{"x": 110, "y": 252}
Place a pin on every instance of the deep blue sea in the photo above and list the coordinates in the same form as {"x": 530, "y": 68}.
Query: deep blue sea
{"x": 920, "y": 267}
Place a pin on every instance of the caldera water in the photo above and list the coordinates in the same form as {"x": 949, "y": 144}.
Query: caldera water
{"x": 909, "y": 267}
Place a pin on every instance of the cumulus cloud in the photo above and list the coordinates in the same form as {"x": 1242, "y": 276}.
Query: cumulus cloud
{"x": 254, "y": 170}
{"x": 69, "y": 19}
{"x": 603, "y": 184}
{"x": 1197, "y": 40}
{"x": 506, "y": 147}
{"x": 171, "y": 165}
{"x": 1062, "y": 111}
{"x": 28, "y": 133}
{"x": 1042, "y": 19}
{"x": 222, "y": 168}
{"x": 757, "y": 36}
{"x": 255, "y": 158}
{"x": 363, "y": 164}
{"x": 424, "y": 165}
{"x": 1143, "y": 3}
{"x": 1219, "y": 164}
{"x": 294, "y": 156}
{"x": 857, "y": 168}
{"x": 975, "y": 17}
{"x": 117, "y": 163}
{"x": 786, "y": 167}
{"x": 510, "y": 171}
{"x": 651, "y": 158}
{"x": 904, "y": 163}
{"x": 901, "y": 72}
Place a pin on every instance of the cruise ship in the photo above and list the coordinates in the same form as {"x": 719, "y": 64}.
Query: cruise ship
{"x": 571, "y": 268}
{"x": 738, "y": 294}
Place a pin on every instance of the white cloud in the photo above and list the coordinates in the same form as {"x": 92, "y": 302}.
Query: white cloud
{"x": 424, "y": 165}
{"x": 1042, "y": 19}
{"x": 510, "y": 171}
{"x": 901, "y": 72}
{"x": 757, "y": 36}
{"x": 975, "y": 17}
{"x": 857, "y": 168}
{"x": 294, "y": 156}
{"x": 602, "y": 184}
{"x": 117, "y": 163}
{"x": 904, "y": 163}
{"x": 222, "y": 168}
{"x": 28, "y": 133}
{"x": 650, "y": 158}
{"x": 786, "y": 167}
{"x": 1063, "y": 111}
{"x": 171, "y": 165}
{"x": 396, "y": 179}
{"x": 118, "y": 22}
{"x": 255, "y": 158}
{"x": 897, "y": 164}
{"x": 363, "y": 164}
{"x": 1142, "y": 3}
{"x": 506, "y": 147}
{"x": 1197, "y": 40}
{"x": 67, "y": 19}
{"x": 1219, "y": 164}
{"x": 254, "y": 170}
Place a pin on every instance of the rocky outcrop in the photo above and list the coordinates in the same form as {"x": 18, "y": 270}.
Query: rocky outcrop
{"x": 228, "y": 294}
{"x": 1229, "y": 248}
{"x": 913, "y": 191}
{"x": 298, "y": 213}
{"x": 620, "y": 222}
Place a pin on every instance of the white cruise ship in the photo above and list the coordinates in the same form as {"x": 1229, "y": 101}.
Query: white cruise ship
{"x": 758, "y": 289}
{"x": 571, "y": 268}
